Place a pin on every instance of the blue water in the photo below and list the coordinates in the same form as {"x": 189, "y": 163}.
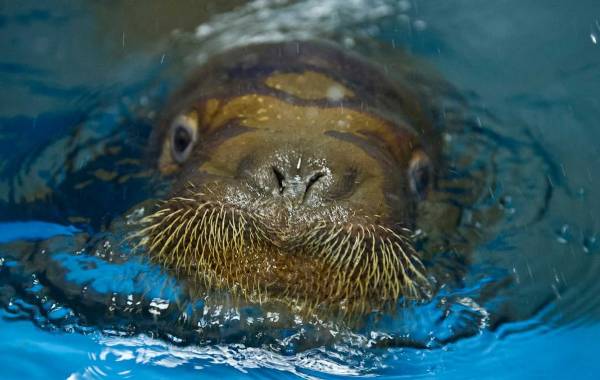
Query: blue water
{"x": 31, "y": 353}
{"x": 81, "y": 79}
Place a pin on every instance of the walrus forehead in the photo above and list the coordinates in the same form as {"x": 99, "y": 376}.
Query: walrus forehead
{"x": 269, "y": 113}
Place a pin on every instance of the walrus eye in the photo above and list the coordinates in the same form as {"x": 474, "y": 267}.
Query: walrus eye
{"x": 183, "y": 137}
{"x": 419, "y": 174}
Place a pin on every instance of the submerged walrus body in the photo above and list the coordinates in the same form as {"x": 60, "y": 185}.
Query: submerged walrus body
{"x": 296, "y": 170}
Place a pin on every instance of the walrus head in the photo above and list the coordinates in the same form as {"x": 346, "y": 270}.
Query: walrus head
{"x": 296, "y": 170}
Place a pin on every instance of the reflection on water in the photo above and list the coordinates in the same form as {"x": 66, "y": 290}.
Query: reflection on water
{"x": 82, "y": 85}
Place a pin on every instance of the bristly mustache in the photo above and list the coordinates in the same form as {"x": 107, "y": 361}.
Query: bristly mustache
{"x": 361, "y": 266}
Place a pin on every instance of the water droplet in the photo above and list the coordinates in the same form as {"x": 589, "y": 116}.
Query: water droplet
{"x": 563, "y": 234}
{"x": 595, "y": 33}
{"x": 157, "y": 305}
{"x": 590, "y": 244}
{"x": 335, "y": 93}
{"x": 419, "y": 25}
{"x": 556, "y": 292}
{"x": 404, "y": 5}
{"x": 506, "y": 202}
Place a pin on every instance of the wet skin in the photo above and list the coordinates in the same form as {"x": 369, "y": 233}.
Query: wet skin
{"x": 296, "y": 170}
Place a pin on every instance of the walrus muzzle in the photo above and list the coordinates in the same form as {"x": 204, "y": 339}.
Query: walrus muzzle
{"x": 354, "y": 265}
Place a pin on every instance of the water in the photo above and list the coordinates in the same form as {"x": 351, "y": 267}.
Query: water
{"x": 76, "y": 303}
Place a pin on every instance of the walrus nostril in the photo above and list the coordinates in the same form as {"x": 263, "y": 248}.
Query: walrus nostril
{"x": 280, "y": 179}
{"x": 312, "y": 179}
{"x": 295, "y": 186}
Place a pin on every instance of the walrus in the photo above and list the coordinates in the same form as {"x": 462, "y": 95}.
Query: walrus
{"x": 296, "y": 170}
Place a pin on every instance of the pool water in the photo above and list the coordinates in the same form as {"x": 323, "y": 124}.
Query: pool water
{"x": 82, "y": 83}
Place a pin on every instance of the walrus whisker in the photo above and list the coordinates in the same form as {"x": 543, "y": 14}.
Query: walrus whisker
{"x": 336, "y": 274}
{"x": 357, "y": 260}
{"x": 341, "y": 258}
{"x": 158, "y": 239}
{"x": 357, "y": 246}
{"x": 411, "y": 260}
{"x": 176, "y": 231}
{"x": 184, "y": 238}
{"x": 408, "y": 281}
{"x": 167, "y": 217}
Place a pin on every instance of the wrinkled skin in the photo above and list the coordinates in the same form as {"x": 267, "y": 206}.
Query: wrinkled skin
{"x": 296, "y": 173}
